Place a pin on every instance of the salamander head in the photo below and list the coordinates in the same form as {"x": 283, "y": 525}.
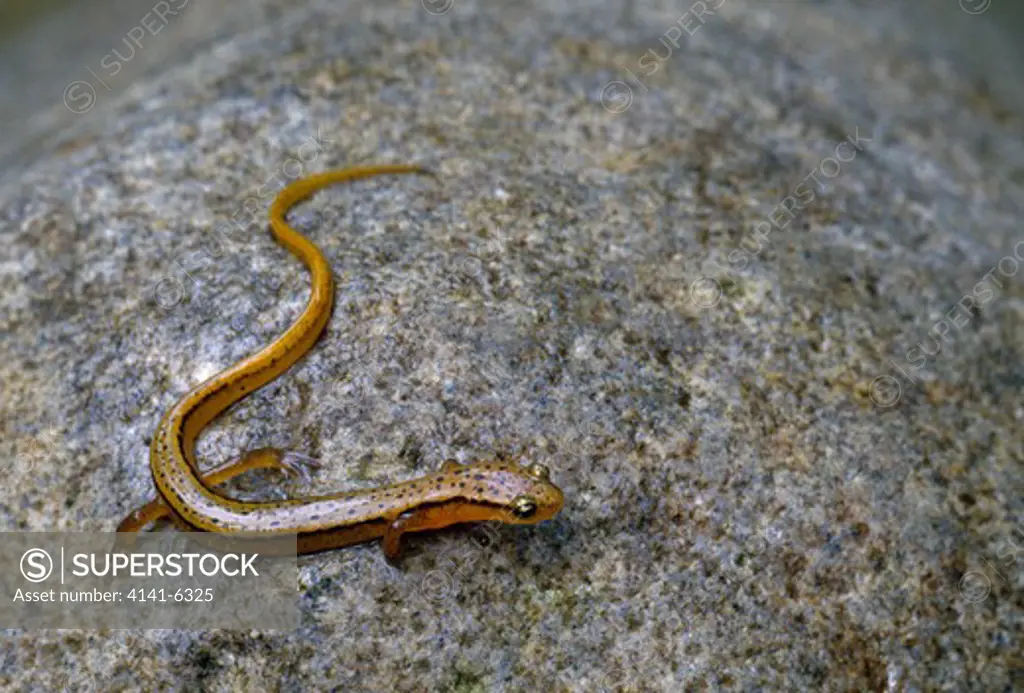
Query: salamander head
{"x": 538, "y": 499}
{"x": 519, "y": 494}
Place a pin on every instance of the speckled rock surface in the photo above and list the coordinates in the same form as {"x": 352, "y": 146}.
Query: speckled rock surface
{"x": 758, "y": 497}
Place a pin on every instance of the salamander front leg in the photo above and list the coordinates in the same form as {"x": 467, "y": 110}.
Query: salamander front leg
{"x": 411, "y": 521}
{"x": 289, "y": 463}
{"x": 450, "y": 466}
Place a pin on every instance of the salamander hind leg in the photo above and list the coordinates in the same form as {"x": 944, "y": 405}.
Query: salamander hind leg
{"x": 291, "y": 463}
{"x": 392, "y": 544}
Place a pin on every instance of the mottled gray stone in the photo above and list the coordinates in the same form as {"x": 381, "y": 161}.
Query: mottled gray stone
{"x": 742, "y": 514}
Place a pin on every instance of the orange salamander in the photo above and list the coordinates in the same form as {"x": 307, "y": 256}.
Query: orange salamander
{"x": 457, "y": 493}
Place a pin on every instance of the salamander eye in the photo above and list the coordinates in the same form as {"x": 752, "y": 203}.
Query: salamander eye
{"x": 523, "y": 507}
{"x": 538, "y": 472}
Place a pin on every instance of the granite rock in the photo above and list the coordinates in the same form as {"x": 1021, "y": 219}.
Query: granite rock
{"x": 791, "y": 448}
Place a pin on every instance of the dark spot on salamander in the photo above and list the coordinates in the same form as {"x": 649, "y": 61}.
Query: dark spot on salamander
{"x": 479, "y": 477}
